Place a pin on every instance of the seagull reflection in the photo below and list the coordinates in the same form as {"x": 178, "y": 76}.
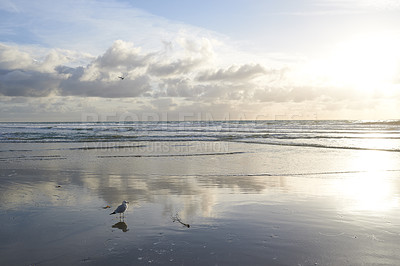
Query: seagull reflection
{"x": 121, "y": 225}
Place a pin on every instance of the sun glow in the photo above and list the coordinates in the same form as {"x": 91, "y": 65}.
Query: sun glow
{"x": 367, "y": 64}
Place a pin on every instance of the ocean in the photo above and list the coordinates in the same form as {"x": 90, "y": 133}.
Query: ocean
{"x": 367, "y": 135}
{"x": 200, "y": 193}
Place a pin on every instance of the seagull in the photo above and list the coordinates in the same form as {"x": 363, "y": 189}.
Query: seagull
{"x": 122, "y": 78}
{"x": 121, "y": 208}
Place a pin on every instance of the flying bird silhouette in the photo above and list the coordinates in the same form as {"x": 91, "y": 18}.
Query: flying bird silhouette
{"x": 122, "y": 78}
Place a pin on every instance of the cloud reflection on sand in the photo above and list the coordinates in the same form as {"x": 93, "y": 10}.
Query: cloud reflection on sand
{"x": 197, "y": 195}
{"x": 199, "y": 181}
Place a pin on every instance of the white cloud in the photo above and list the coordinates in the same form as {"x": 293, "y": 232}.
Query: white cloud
{"x": 13, "y": 58}
{"x": 233, "y": 73}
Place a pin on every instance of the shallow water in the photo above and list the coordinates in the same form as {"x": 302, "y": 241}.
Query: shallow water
{"x": 246, "y": 204}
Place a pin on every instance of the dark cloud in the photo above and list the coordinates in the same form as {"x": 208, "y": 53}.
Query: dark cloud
{"x": 114, "y": 89}
{"x": 27, "y": 83}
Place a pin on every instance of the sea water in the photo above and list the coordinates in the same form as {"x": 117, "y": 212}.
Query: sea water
{"x": 375, "y": 135}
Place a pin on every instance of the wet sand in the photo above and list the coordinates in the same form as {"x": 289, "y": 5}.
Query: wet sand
{"x": 246, "y": 204}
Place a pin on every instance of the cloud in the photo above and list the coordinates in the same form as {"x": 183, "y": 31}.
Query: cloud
{"x": 191, "y": 56}
{"x": 12, "y": 58}
{"x": 173, "y": 68}
{"x": 233, "y": 73}
{"x": 73, "y": 86}
{"x": 185, "y": 71}
{"x": 27, "y": 83}
{"x": 122, "y": 55}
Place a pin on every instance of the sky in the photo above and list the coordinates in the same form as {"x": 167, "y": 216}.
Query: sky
{"x": 191, "y": 60}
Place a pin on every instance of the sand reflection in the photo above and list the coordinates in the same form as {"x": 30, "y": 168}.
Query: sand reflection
{"x": 370, "y": 192}
{"x": 271, "y": 205}
{"x": 373, "y": 188}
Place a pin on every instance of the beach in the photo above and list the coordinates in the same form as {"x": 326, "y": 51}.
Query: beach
{"x": 252, "y": 193}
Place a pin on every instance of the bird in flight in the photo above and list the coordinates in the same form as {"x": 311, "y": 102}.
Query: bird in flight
{"x": 122, "y": 78}
{"x": 121, "y": 208}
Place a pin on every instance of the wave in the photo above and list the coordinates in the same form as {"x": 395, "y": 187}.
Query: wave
{"x": 34, "y": 157}
{"x": 306, "y": 136}
{"x": 292, "y": 174}
{"x": 109, "y": 148}
{"x": 169, "y": 155}
{"x": 313, "y": 145}
{"x": 379, "y": 122}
